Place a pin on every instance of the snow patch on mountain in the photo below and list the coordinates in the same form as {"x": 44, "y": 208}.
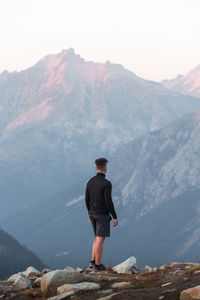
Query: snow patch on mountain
{"x": 64, "y": 253}
{"x": 75, "y": 200}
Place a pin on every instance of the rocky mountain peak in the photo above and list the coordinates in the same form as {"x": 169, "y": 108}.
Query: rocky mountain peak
{"x": 4, "y": 75}
{"x": 68, "y": 52}
{"x": 185, "y": 84}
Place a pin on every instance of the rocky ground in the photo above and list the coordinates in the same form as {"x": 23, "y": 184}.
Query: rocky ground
{"x": 166, "y": 282}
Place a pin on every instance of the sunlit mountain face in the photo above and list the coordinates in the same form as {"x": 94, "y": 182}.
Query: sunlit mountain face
{"x": 188, "y": 84}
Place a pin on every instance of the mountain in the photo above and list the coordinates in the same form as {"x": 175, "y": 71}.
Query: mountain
{"x": 156, "y": 192}
{"x": 188, "y": 84}
{"x": 15, "y": 257}
{"x": 60, "y": 114}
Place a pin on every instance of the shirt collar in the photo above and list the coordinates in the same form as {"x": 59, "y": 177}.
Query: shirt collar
{"x": 100, "y": 174}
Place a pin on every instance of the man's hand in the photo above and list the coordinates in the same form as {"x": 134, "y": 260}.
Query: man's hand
{"x": 115, "y": 222}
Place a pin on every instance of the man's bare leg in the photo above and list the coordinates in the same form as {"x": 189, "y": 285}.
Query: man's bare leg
{"x": 93, "y": 250}
{"x": 98, "y": 249}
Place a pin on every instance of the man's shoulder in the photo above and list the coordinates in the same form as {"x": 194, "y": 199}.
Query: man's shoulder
{"x": 91, "y": 179}
{"x": 102, "y": 179}
{"x": 107, "y": 181}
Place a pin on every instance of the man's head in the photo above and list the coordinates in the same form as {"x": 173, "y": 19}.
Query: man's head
{"x": 101, "y": 165}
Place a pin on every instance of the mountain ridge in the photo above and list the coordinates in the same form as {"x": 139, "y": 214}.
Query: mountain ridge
{"x": 188, "y": 84}
{"x": 14, "y": 256}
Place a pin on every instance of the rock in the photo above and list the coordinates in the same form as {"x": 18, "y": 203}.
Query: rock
{"x": 191, "y": 294}
{"x": 32, "y": 279}
{"x": 46, "y": 270}
{"x": 52, "y": 280}
{"x": 9, "y": 288}
{"x": 79, "y": 270}
{"x": 62, "y": 296}
{"x": 37, "y": 282}
{"x": 129, "y": 266}
{"x": 70, "y": 269}
{"x": 30, "y": 272}
{"x": 22, "y": 283}
{"x": 166, "y": 284}
{"x": 119, "y": 284}
{"x": 108, "y": 297}
{"x": 155, "y": 269}
{"x": 105, "y": 291}
{"x": 161, "y": 297}
{"x": 163, "y": 268}
{"x": 77, "y": 287}
{"x": 101, "y": 278}
{"x": 183, "y": 265}
{"x": 178, "y": 272}
{"x": 169, "y": 291}
{"x": 148, "y": 269}
{"x": 15, "y": 276}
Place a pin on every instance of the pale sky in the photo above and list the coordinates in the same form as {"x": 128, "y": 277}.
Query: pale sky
{"x": 156, "y": 39}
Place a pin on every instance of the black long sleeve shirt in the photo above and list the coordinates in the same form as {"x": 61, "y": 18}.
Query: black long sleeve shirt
{"x": 98, "y": 197}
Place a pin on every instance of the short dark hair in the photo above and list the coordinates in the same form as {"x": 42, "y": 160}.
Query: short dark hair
{"x": 101, "y": 162}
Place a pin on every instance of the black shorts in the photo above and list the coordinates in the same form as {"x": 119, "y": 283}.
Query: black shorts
{"x": 101, "y": 225}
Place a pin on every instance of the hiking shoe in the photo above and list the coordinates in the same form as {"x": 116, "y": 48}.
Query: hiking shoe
{"x": 100, "y": 267}
{"x": 91, "y": 264}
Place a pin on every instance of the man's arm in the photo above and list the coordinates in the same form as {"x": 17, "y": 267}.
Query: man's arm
{"x": 108, "y": 200}
{"x": 87, "y": 198}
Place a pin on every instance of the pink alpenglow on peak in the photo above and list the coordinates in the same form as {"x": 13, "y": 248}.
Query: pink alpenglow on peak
{"x": 35, "y": 114}
{"x": 188, "y": 84}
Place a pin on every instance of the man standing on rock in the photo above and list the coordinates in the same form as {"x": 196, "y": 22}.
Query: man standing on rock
{"x": 100, "y": 207}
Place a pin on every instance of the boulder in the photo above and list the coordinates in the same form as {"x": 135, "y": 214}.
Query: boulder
{"x": 166, "y": 284}
{"x": 100, "y": 278}
{"x": 154, "y": 269}
{"x": 163, "y": 268}
{"x": 52, "y": 280}
{"x": 79, "y": 270}
{"x": 37, "y": 282}
{"x": 56, "y": 278}
{"x": 108, "y": 297}
{"x": 22, "y": 283}
{"x": 15, "y": 276}
{"x": 46, "y": 270}
{"x": 129, "y": 266}
{"x": 62, "y": 296}
{"x": 191, "y": 294}
{"x": 31, "y": 272}
{"x": 104, "y": 292}
{"x": 120, "y": 284}
{"x": 70, "y": 269}
{"x": 148, "y": 269}
{"x": 8, "y": 288}
{"x": 83, "y": 286}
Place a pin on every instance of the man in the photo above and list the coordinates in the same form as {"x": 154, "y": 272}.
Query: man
{"x": 99, "y": 203}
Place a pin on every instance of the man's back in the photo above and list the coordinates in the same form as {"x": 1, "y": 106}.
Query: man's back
{"x": 98, "y": 196}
